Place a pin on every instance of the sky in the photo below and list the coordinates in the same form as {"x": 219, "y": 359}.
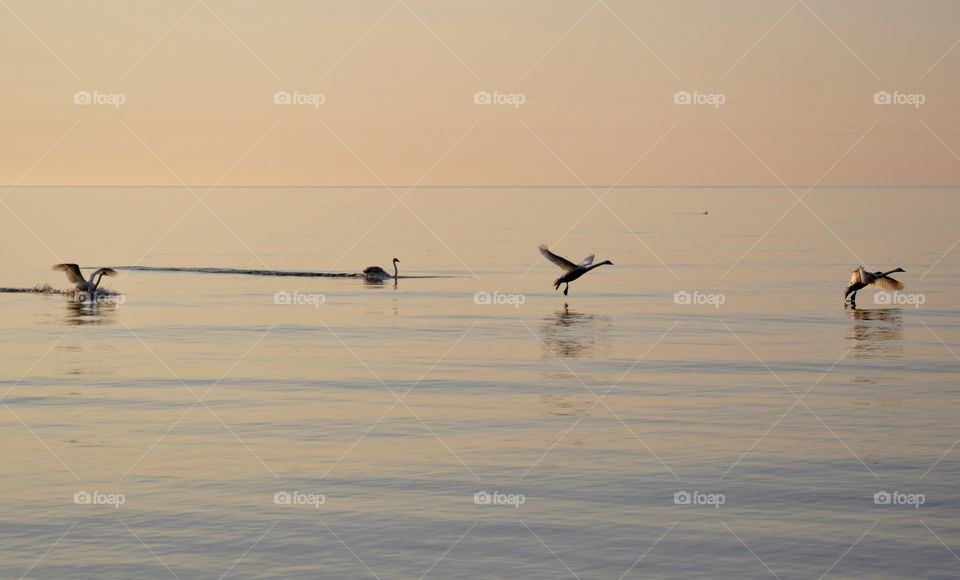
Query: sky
{"x": 441, "y": 92}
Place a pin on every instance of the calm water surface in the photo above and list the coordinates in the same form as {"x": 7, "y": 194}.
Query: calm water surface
{"x": 204, "y": 404}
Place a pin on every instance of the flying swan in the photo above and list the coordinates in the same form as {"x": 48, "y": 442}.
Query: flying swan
{"x": 81, "y": 285}
{"x": 860, "y": 278}
{"x": 573, "y": 271}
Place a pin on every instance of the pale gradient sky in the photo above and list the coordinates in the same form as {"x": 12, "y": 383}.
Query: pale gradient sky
{"x": 399, "y": 78}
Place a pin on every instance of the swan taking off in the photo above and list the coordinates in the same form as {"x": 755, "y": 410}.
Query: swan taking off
{"x": 378, "y": 273}
{"x": 861, "y": 278}
{"x": 573, "y": 271}
{"x": 75, "y": 276}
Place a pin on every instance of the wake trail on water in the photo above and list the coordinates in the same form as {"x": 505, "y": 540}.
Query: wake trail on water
{"x": 50, "y": 290}
{"x": 252, "y": 272}
{"x": 38, "y": 289}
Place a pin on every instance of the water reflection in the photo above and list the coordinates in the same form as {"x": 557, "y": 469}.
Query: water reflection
{"x": 568, "y": 333}
{"x": 878, "y": 333}
{"x": 81, "y": 313}
{"x": 372, "y": 283}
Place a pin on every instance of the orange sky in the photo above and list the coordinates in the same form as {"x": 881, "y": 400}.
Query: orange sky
{"x": 397, "y": 80}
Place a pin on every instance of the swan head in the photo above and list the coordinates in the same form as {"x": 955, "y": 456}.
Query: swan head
{"x": 899, "y": 270}
{"x": 607, "y": 262}
{"x": 396, "y": 261}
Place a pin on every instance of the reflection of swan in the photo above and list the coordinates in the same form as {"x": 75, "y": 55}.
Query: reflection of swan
{"x": 573, "y": 271}
{"x": 92, "y": 312}
{"x": 861, "y": 278}
{"x": 878, "y": 333}
{"x": 75, "y": 276}
{"x": 378, "y": 273}
{"x": 572, "y": 334}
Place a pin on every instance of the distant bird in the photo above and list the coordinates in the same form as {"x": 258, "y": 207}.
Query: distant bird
{"x": 860, "y": 278}
{"x": 378, "y": 273}
{"x": 573, "y": 271}
{"x": 81, "y": 285}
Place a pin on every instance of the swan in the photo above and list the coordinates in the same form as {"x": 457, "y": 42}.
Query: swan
{"x": 81, "y": 285}
{"x": 378, "y": 273}
{"x": 573, "y": 271}
{"x": 860, "y": 278}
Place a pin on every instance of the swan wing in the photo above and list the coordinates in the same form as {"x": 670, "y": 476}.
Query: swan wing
{"x": 105, "y": 272}
{"x": 858, "y": 276}
{"x": 587, "y": 261}
{"x": 888, "y": 283}
{"x": 558, "y": 260}
{"x": 373, "y": 270}
{"x": 72, "y": 271}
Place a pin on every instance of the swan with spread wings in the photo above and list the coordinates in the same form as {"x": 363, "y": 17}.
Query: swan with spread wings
{"x": 572, "y": 271}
